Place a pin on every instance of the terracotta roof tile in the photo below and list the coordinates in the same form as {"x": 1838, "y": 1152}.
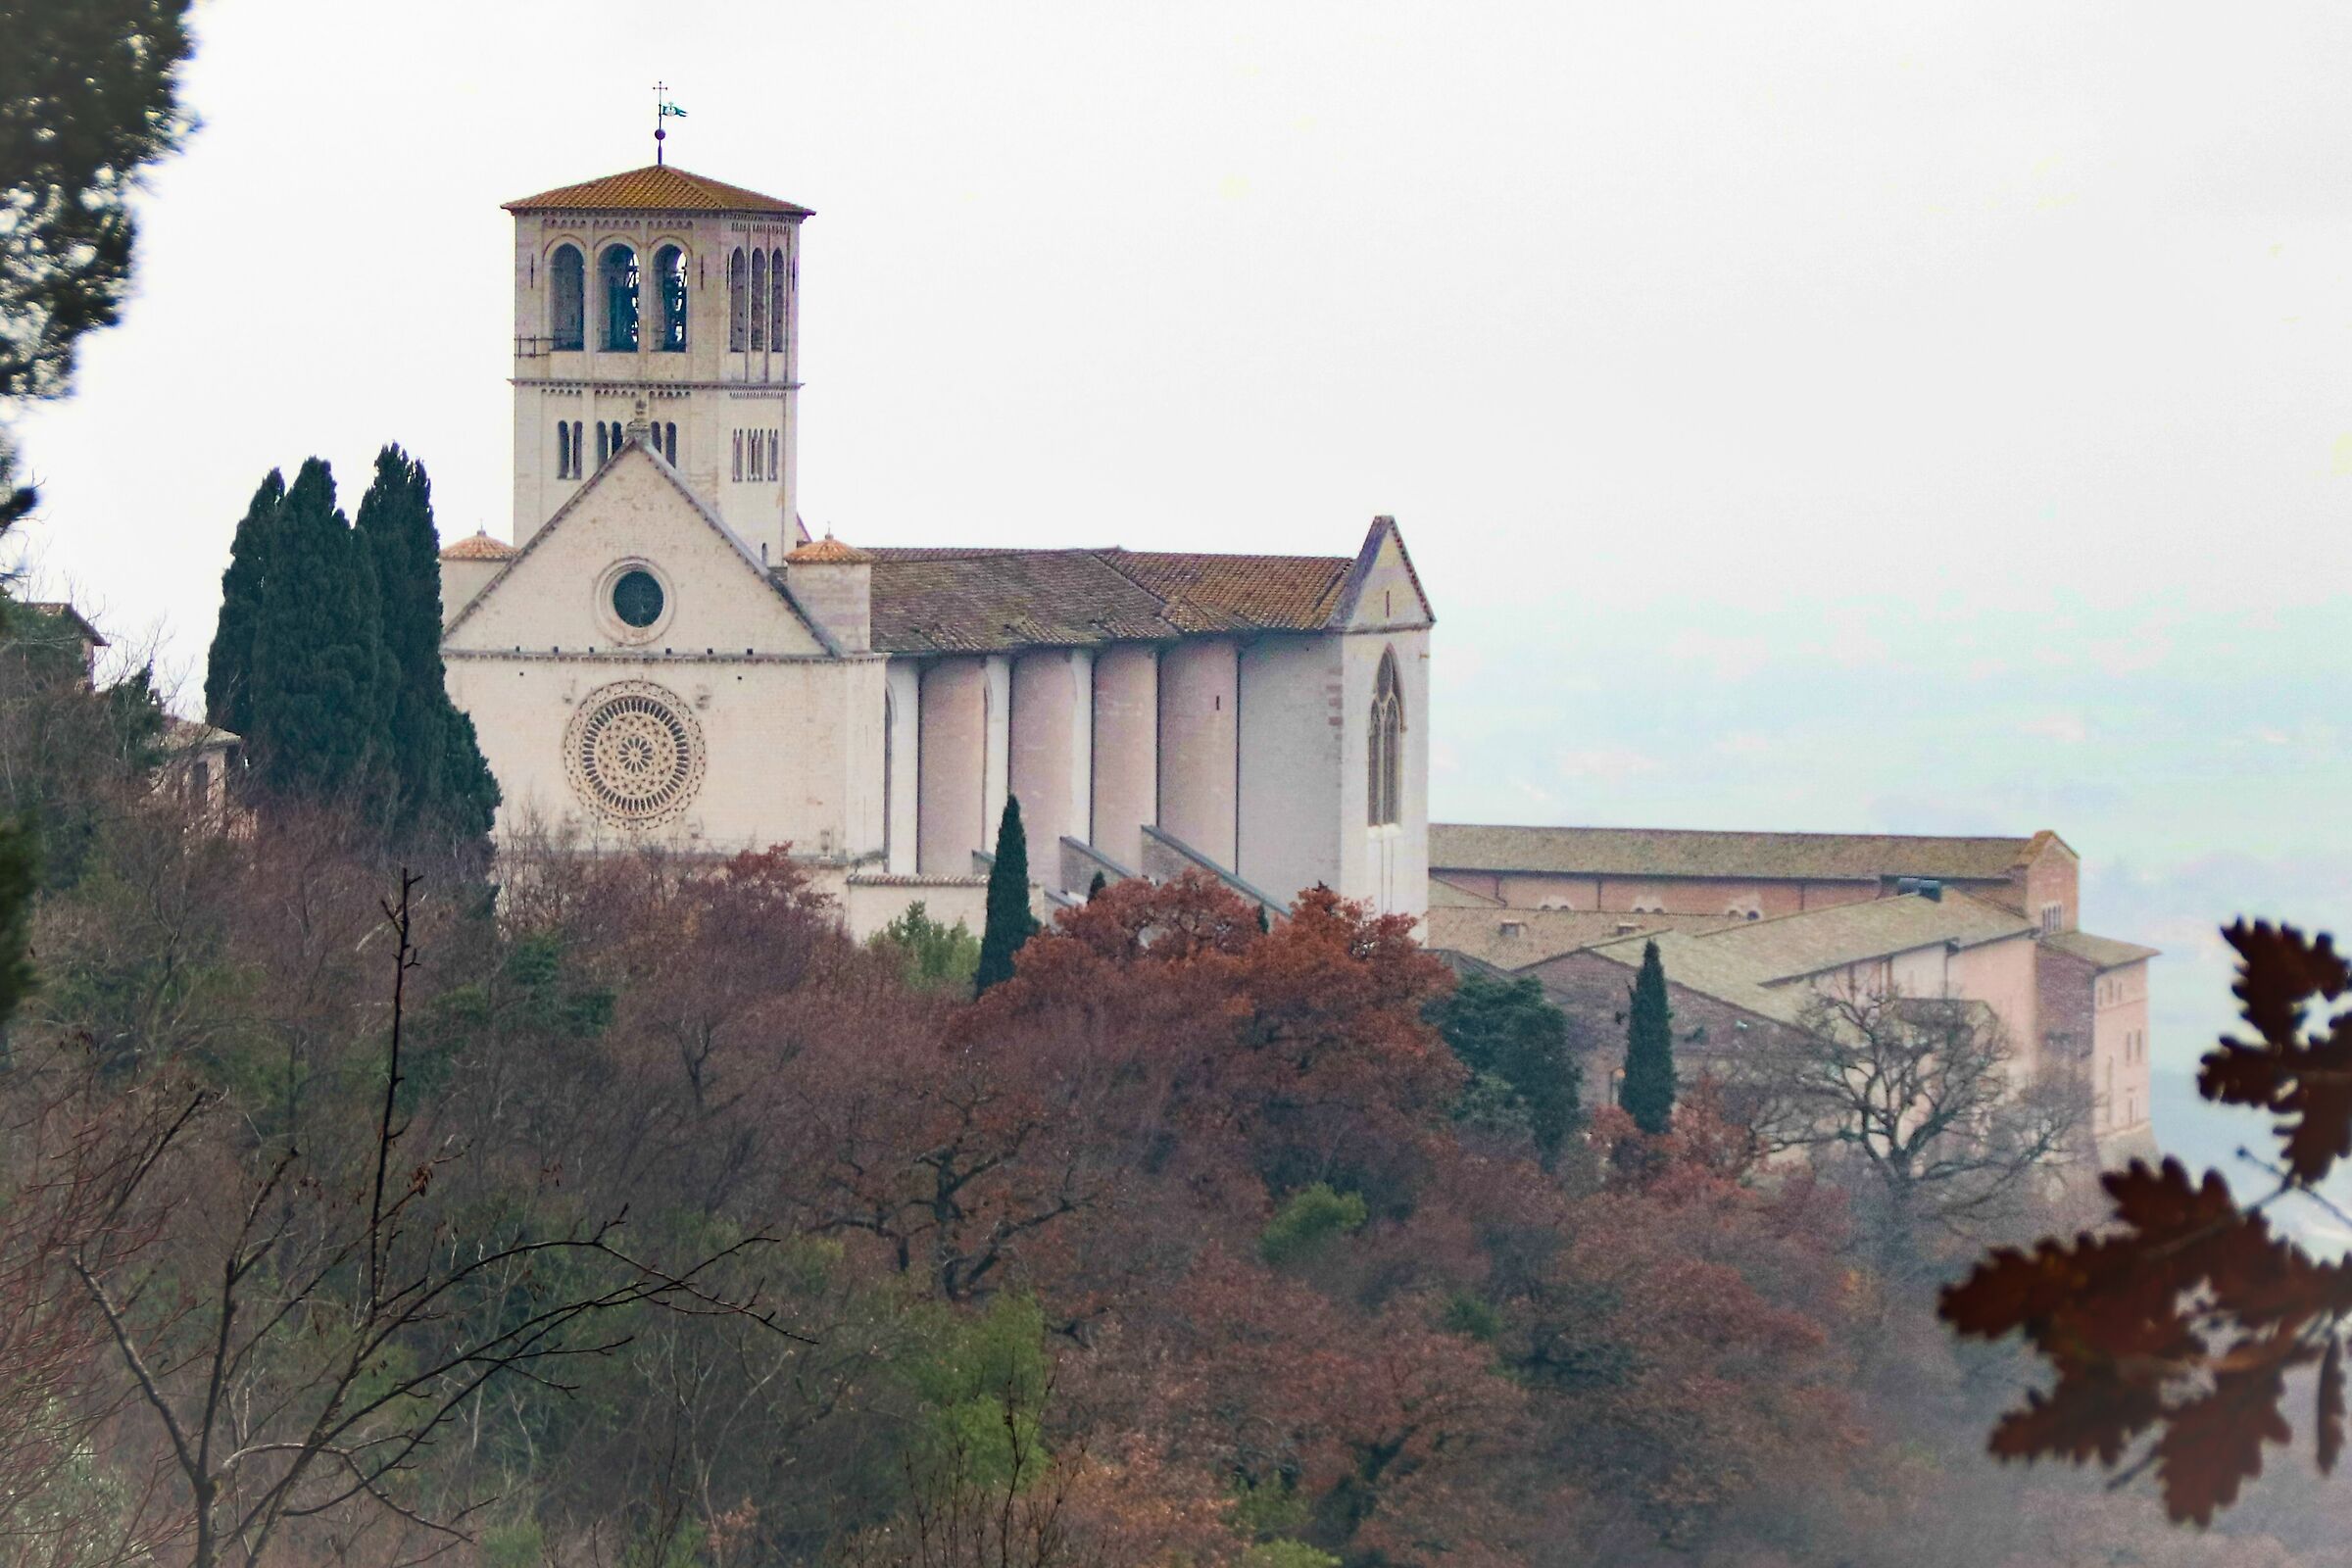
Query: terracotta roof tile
{"x": 657, "y": 186}
{"x": 819, "y": 552}
{"x": 1673, "y": 851}
{"x": 1238, "y": 592}
{"x": 1512, "y": 938}
{"x": 479, "y": 546}
{"x": 985, "y": 601}
{"x": 1794, "y": 946}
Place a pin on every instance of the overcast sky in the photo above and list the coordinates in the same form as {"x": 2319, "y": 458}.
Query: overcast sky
{"x": 1803, "y": 416}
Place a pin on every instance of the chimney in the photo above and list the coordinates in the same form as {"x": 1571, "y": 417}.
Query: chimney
{"x": 834, "y": 585}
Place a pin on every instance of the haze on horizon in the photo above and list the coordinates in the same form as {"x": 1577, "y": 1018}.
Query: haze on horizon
{"x": 1834, "y": 418}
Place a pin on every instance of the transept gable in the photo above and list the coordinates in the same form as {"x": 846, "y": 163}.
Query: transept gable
{"x": 1383, "y": 590}
{"x": 693, "y": 585}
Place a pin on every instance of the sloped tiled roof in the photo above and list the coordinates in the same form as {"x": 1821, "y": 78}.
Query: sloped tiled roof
{"x": 1443, "y": 895}
{"x": 828, "y": 549}
{"x": 657, "y": 186}
{"x": 1794, "y": 946}
{"x": 2106, "y": 952}
{"x": 1238, "y": 592}
{"x": 1678, "y": 852}
{"x": 65, "y": 614}
{"x": 985, "y": 601}
{"x": 1511, "y": 939}
{"x": 479, "y": 546}
{"x": 1698, "y": 963}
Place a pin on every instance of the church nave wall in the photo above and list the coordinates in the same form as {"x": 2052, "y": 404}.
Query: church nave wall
{"x": 1126, "y": 750}
{"x": 1051, "y": 752}
{"x": 1199, "y": 736}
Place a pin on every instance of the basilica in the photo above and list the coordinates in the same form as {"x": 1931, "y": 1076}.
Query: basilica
{"x": 663, "y": 654}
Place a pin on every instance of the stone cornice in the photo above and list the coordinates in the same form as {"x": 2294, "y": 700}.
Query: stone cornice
{"x": 640, "y": 656}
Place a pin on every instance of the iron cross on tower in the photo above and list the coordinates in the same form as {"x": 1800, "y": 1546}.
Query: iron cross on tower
{"x": 663, "y": 109}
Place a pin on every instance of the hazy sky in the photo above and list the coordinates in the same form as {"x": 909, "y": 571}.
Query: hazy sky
{"x": 1803, "y": 416}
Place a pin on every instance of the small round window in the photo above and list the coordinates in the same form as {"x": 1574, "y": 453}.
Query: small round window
{"x": 637, "y": 598}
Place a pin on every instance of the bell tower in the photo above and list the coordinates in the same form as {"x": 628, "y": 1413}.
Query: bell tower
{"x": 665, "y": 291}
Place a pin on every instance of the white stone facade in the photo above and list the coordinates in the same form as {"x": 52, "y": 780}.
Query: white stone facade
{"x": 661, "y": 655}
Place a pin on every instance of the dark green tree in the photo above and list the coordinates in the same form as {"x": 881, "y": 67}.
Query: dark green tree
{"x": 1648, "y": 1093}
{"x": 322, "y": 683}
{"x": 229, "y": 667}
{"x": 438, "y": 778}
{"x": 90, "y": 95}
{"x": 1510, "y": 1032}
{"x": 1009, "y": 922}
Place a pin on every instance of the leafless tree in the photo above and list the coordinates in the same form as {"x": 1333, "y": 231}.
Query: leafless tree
{"x": 1927, "y": 1099}
{"x": 326, "y": 1313}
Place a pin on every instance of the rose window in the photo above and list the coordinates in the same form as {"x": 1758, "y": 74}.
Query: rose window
{"x": 634, "y": 754}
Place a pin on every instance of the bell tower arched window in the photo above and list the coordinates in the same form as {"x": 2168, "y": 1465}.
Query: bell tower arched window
{"x": 738, "y": 303}
{"x": 1384, "y": 786}
{"x": 775, "y": 301}
{"x": 758, "y": 299}
{"x": 617, "y": 277}
{"x": 669, "y": 277}
{"x": 567, "y": 299}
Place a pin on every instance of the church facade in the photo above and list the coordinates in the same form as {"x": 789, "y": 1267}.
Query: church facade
{"x": 663, "y": 655}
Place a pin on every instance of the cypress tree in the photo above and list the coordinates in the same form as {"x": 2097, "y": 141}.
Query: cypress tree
{"x": 437, "y": 774}
{"x": 321, "y": 684}
{"x": 229, "y": 667}
{"x": 1009, "y": 922}
{"x": 1648, "y": 1093}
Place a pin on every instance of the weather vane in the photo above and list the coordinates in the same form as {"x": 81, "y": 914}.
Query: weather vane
{"x": 663, "y": 109}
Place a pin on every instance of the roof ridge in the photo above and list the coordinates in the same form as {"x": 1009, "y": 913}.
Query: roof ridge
{"x": 1737, "y": 832}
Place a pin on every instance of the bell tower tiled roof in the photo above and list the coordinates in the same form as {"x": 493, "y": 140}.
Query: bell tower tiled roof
{"x": 656, "y": 187}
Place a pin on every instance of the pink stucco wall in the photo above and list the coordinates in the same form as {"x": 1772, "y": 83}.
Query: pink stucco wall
{"x": 954, "y": 764}
{"x": 1126, "y": 760}
{"x": 1198, "y": 735}
{"x": 1051, "y": 700}
{"x": 2120, "y": 1046}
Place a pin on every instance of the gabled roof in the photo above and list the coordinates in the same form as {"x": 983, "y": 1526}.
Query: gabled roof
{"x": 969, "y": 600}
{"x": 1383, "y": 529}
{"x": 2104, "y": 953}
{"x": 711, "y": 520}
{"x": 1697, "y": 964}
{"x": 65, "y": 614}
{"x": 1513, "y": 939}
{"x": 1791, "y": 947}
{"x": 663, "y": 187}
{"x": 1237, "y": 593}
{"x": 1690, "y": 852}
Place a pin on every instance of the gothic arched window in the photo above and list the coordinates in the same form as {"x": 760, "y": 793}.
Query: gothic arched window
{"x": 758, "y": 299}
{"x": 1383, "y": 787}
{"x": 669, "y": 276}
{"x": 738, "y": 329}
{"x": 616, "y": 276}
{"x": 567, "y": 278}
{"x": 775, "y": 301}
